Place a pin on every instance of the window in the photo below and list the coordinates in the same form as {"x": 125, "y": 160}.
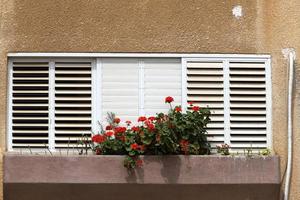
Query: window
{"x": 56, "y": 98}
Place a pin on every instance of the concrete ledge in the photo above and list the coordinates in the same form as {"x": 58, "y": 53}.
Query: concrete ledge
{"x": 170, "y": 177}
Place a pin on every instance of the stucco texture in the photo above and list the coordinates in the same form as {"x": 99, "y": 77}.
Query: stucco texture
{"x": 200, "y": 26}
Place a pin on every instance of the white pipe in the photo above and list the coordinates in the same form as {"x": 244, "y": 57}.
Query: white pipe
{"x": 290, "y": 127}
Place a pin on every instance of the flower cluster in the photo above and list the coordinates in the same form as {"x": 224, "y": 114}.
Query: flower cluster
{"x": 223, "y": 149}
{"x": 172, "y": 133}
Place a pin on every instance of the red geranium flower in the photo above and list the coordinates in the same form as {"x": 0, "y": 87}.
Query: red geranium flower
{"x": 151, "y": 118}
{"x": 128, "y": 122}
{"x": 178, "y": 109}
{"x": 151, "y": 127}
{"x": 195, "y": 108}
{"x": 122, "y": 138}
{"x": 169, "y": 99}
{"x": 117, "y": 120}
{"x": 110, "y": 133}
{"x": 120, "y": 129}
{"x": 98, "y": 138}
{"x": 109, "y": 127}
{"x": 142, "y": 118}
{"x": 134, "y": 146}
{"x": 135, "y": 129}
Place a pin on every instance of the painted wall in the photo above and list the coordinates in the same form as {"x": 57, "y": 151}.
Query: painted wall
{"x": 200, "y": 26}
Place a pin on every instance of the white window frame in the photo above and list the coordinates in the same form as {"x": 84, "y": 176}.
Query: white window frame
{"x": 97, "y": 70}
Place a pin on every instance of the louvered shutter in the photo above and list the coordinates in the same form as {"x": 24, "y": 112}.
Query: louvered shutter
{"x": 120, "y": 88}
{"x": 29, "y": 115}
{"x": 205, "y": 88}
{"x": 51, "y": 99}
{"x": 73, "y": 102}
{"x": 248, "y": 120}
{"x": 162, "y": 78}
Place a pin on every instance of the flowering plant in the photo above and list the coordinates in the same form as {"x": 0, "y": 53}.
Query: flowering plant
{"x": 172, "y": 133}
{"x": 223, "y": 149}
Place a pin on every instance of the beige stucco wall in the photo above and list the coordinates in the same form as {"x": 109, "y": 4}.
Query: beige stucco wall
{"x": 201, "y": 26}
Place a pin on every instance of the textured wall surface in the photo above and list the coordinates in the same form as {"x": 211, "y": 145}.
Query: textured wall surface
{"x": 171, "y": 177}
{"x": 264, "y": 26}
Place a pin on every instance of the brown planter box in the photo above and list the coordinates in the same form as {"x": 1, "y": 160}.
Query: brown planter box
{"x": 30, "y": 177}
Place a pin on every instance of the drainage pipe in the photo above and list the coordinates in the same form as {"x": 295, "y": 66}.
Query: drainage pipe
{"x": 290, "y": 126}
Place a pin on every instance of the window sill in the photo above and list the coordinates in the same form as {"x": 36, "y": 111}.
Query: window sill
{"x": 162, "y": 177}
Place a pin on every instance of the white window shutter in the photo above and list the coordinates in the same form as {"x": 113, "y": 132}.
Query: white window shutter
{"x": 53, "y": 102}
{"x": 73, "y": 102}
{"x": 29, "y": 100}
{"x": 205, "y": 88}
{"x": 248, "y": 119}
{"x": 162, "y": 78}
{"x": 120, "y": 88}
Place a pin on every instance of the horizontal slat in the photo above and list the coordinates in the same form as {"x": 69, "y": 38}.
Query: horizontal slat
{"x": 84, "y": 105}
{"x": 30, "y": 78}
{"x": 72, "y": 65}
{"x": 30, "y": 118}
{"x": 88, "y": 85}
{"x": 247, "y": 79}
{"x": 72, "y": 92}
{"x": 249, "y": 105}
{"x": 73, "y": 78}
{"x": 29, "y": 138}
{"x": 240, "y": 91}
{"x": 193, "y": 85}
{"x": 30, "y": 98}
{"x": 78, "y": 132}
{"x": 252, "y": 131}
{"x": 72, "y": 112}
{"x": 29, "y": 131}
{"x": 72, "y": 118}
{"x": 247, "y": 65}
{"x": 204, "y": 65}
{"x": 247, "y": 125}
{"x": 71, "y": 125}
{"x": 248, "y": 111}
{"x": 248, "y": 138}
{"x": 72, "y": 98}
{"x": 30, "y": 111}
{"x": 247, "y": 98}
{"x": 30, "y": 72}
{"x": 205, "y": 78}
{"x": 67, "y": 139}
{"x": 248, "y": 118}
{"x": 30, "y": 85}
{"x": 203, "y": 92}
{"x": 205, "y": 72}
{"x": 247, "y": 85}
{"x": 30, "y": 124}
{"x": 69, "y": 72}
{"x": 30, "y": 105}
{"x": 41, "y": 145}
{"x": 30, "y": 91}
{"x": 247, "y": 72}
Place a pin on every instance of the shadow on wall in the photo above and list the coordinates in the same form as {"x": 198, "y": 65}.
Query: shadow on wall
{"x": 170, "y": 170}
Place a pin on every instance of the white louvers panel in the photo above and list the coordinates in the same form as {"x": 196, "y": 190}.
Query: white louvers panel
{"x": 162, "y": 78}
{"x": 30, "y": 104}
{"x": 248, "y": 105}
{"x": 73, "y": 102}
{"x": 120, "y": 88}
{"x": 205, "y": 89}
